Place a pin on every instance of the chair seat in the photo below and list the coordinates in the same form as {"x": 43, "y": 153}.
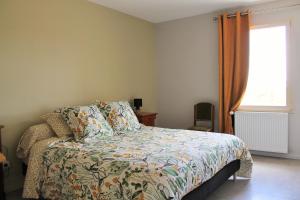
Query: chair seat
{"x": 199, "y": 128}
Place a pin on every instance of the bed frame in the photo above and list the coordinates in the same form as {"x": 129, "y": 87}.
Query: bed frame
{"x": 203, "y": 191}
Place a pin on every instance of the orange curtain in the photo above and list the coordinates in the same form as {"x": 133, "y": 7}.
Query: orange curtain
{"x": 233, "y": 66}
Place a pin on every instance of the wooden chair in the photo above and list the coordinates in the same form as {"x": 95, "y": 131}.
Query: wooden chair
{"x": 204, "y": 113}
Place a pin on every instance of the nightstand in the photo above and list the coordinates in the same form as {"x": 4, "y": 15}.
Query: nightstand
{"x": 146, "y": 118}
{"x": 2, "y": 159}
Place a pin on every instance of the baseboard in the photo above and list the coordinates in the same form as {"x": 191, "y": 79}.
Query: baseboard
{"x": 276, "y": 155}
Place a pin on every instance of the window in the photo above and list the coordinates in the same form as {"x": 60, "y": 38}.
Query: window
{"x": 267, "y": 68}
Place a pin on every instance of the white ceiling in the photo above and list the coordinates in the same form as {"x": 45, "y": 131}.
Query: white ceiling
{"x": 164, "y": 10}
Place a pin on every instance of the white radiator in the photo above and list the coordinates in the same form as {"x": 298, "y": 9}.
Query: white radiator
{"x": 263, "y": 131}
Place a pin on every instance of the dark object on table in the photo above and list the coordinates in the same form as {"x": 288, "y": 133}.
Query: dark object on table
{"x": 138, "y": 103}
{"x": 204, "y": 117}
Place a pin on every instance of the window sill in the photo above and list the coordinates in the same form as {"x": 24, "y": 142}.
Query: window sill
{"x": 284, "y": 109}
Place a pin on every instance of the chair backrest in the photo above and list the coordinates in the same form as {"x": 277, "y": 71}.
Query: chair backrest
{"x": 204, "y": 112}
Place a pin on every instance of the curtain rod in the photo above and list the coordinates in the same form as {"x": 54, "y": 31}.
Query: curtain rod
{"x": 261, "y": 11}
{"x": 232, "y": 15}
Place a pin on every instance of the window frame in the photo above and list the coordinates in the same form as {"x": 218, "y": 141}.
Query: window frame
{"x": 287, "y": 107}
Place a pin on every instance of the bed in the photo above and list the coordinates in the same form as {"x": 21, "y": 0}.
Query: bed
{"x": 152, "y": 163}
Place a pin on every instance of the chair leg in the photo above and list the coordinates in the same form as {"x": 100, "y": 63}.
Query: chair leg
{"x": 234, "y": 177}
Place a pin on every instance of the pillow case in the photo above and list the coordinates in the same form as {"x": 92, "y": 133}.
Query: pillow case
{"x": 119, "y": 115}
{"x": 32, "y": 135}
{"x": 86, "y": 121}
{"x": 57, "y": 123}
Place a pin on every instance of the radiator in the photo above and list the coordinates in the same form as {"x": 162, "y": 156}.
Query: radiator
{"x": 263, "y": 131}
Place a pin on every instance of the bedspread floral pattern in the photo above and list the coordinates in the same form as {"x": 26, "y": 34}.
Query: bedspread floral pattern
{"x": 153, "y": 163}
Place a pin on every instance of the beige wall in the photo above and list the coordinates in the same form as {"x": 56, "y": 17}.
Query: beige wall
{"x": 67, "y": 52}
{"x": 187, "y": 58}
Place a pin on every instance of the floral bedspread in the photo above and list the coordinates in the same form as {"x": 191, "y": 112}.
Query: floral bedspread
{"x": 152, "y": 164}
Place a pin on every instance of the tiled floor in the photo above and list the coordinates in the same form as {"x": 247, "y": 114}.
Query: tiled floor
{"x": 273, "y": 179}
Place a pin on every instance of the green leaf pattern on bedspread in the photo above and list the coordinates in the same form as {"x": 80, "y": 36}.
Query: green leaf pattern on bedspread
{"x": 150, "y": 164}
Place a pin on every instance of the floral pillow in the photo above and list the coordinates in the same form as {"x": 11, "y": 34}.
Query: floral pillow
{"x": 119, "y": 115}
{"x": 86, "y": 121}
